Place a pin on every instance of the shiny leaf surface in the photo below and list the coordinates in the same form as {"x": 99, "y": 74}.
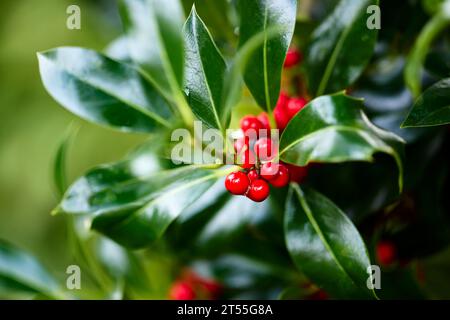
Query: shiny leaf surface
{"x": 340, "y": 48}
{"x": 263, "y": 71}
{"x": 432, "y": 108}
{"x": 132, "y": 203}
{"x": 101, "y": 90}
{"x": 21, "y": 272}
{"x": 325, "y": 245}
{"x": 204, "y": 73}
{"x": 155, "y": 41}
{"x": 335, "y": 129}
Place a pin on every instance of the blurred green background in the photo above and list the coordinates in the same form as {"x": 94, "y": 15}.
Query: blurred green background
{"x": 33, "y": 124}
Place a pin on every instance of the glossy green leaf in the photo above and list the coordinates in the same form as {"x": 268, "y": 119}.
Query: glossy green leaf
{"x": 219, "y": 16}
{"x": 132, "y": 203}
{"x": 263, "y": 72}
{"x": 154, "y": 32}
{"x": 418, "y": 54}
{"x": 118, "y": 50}
{"x": 335, "y": 129}
{"x": 21, "y": 272}
{"x": 432, "y": 108}
{"x": 101, "y": 90}
{"x": 233, "y": 78}
{"x": 216, "y": 218}
{"x": 204, "y": 73}
{"x": 340, "y": 47}
{"x": 325, "y": 245}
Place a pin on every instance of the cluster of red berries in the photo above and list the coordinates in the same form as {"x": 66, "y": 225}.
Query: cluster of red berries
{"x": 286, "y": 108}
{"x": 256, "y": 150}
{"x": 255, "y": 153}
{"x": 191, "y": 286}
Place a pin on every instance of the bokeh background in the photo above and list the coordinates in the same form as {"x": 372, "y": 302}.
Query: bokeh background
{"x": 32, "y": 124}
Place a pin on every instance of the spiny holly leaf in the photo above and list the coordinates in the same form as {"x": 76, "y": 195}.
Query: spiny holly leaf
{"x": 204, "y": 73}
{"x": 102, "y": 90}
{"x": 334, "y": 129}
{"x": 263, "y": 71}
{"x": 131, "y": 202}
{"x": 325, "y": 245}
{"x": 154, "y": 33}
{"x": 340, "y": 48}
{"x": 432, "y": 108}
{"x": 20, "y": 272}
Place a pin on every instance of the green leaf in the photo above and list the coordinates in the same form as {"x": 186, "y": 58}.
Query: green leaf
{"x": 340, "y": 48}
{"x": 132, "y": 202}
{"x": 418, "y": 54}
{"x": 432, "y": 108}
{"x": 154, "y": 32}
{"x": 325, "y": 245}
{"x": 101, "y": 90}
{"x": 59, "y": 163}
{"x": 334, "y": 129}
{"x": 263, "y": 71}
{"x": 21, "y": 272}
{"x": 118, "y": 50}
{"x": 204, "y": 73}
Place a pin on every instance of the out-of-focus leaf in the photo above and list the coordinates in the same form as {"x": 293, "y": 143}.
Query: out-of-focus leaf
{"x": 118, "y": 50}
{"x": 154, "y": 32}
{"x": 438, "y": 63}
{"x": 335, "y": 129}
{"x": 131, "y": 203}
{"x": 432, "y": 108}
{"x": 204, "y": 73}
{"x": 102, "y": 90}
{"x": 417, "y": 56}
{"x": 263, "y": 71}
{"x": 245, "y": 277}
{"x": 20, "y": 271}
{"x": 371, "y": 187}
{"x": 435, "y": 274}
{"x": 329, "y": 65}
{"x": 59, "y": 163}
{"x": 325, "y": 245}
{"x": 218, "y": 220}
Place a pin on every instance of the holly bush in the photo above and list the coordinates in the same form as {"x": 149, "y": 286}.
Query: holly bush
{"x": 359, "y": 183}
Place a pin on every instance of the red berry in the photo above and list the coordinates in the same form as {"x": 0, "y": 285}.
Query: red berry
{"x": 293, "y": 57}
{"x": 264, "y": 149}
{"x": 280, "y": 112}
{"x": 237, "y": 183}
{"x": 251, "y": 122}
{"x": 252, "y": 175}
{"x": 181, "y": 290}
{"x": 246, "y": 159}
{"x": 297, "y": 173}
{"x": 282, "y": 177}
{"x": 269, "y": 170}
{"x": 386, "y": 253}
{"x": 295, "y": 105}
{"x": 240, "y": 143}
{"x": 264, "y": 119}
{"x": 319, "y": 295}
{"x": 259, "y": 190}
